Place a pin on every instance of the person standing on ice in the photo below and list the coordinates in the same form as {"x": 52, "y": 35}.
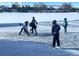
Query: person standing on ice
{"x": 33, "y": 25}
{"x": 55, "y": 33}
{"x": 25, "y": 28}
{"x": 65, "y": 25}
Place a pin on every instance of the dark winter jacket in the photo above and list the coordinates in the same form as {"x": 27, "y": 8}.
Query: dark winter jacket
{"x": 33, "y": 23}
{"x": 55, "y": 29}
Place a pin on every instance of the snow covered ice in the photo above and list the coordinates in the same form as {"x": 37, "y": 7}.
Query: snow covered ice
{"x": 21, "y": 17}
{"x": 13, "y": 44}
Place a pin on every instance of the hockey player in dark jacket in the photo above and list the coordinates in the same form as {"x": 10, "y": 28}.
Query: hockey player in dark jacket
{"x": 55, "y": 33}
{"x": 33, "y": 24}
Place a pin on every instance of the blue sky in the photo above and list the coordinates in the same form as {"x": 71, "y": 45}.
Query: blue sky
{"x": 75, "y": 4}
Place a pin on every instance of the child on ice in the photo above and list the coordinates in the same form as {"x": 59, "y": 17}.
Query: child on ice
{"x": 25, "y": 28}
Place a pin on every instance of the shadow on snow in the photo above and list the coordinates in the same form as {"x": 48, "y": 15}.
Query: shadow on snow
{"x": 30, "y": 48}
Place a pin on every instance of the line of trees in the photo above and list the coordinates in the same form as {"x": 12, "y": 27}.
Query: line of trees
{"x": 38, "y": 7}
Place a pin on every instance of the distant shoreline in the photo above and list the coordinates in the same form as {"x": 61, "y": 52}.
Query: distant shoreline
{"x": 39, "y": 12}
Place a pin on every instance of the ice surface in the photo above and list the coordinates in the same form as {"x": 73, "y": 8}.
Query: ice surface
{"x": 21, "y": 17}
{"x": 11, "y": 43}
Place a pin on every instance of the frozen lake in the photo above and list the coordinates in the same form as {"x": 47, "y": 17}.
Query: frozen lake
{"x": 10, "y": 40}
{"x": 21, "y": 17}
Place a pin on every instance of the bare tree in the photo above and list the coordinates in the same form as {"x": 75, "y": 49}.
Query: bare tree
{"x": 66, "y": 7}
{"x": 40, "y": 6}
